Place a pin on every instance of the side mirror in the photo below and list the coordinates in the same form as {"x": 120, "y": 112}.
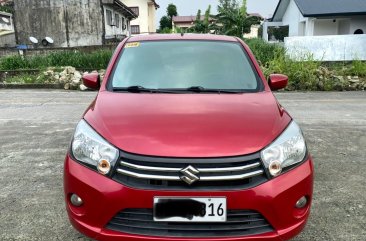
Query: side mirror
{"x": 92, "y": 81}
{"x": 277, "y": 81}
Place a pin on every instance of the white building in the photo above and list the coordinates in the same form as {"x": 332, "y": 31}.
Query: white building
{"x": 117, "y": 19}
{"x": 7, "y": 35}
{"x": 324, "y": 30}
{"x": 146, "y": 16}
{"x": 319, "y": 17}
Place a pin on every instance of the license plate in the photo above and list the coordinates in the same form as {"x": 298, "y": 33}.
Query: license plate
{"x": 190, "y": 209}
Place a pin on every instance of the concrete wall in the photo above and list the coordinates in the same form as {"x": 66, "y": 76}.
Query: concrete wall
{"x": 146, "y": 18}
{"x": 325, "y": 27}
{"x": 67, "y": 22}
{"x": 85, "y": 22}
{"x": 45, "y": 51}
{"x": 327, "y": 48}
{"x": 7, "y": 40}
{"x": 358, "y": 23}
{"x": 341, "y": 25}
{"x": 152, "y": 17}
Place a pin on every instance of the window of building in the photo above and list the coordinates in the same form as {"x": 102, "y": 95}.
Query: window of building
{"x": 135, "y": 10}
{"x": 116, "y": 20}
{"x": 109, "y": 17}
{"x": 135, "y": 29}
{"x": 124, "y": 26}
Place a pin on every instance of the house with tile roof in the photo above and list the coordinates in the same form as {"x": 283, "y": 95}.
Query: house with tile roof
{"x": 319, "y": 18}
{"x": 327, "y": 30}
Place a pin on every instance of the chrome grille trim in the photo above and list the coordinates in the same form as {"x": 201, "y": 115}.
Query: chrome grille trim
{"x": 147, "y": 176}
{"x": 148, "y": 168}
{"x": 201, "y": 170}
{"x": 168, "y": 173}
{"x": 202, "y": 178}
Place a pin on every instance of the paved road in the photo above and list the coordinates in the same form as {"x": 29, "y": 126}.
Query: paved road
{"x": 36, "y": 126}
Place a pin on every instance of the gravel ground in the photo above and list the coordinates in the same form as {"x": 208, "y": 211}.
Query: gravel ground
{"x": 36, "y": 126}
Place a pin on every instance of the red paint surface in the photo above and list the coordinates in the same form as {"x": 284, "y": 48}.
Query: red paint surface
{"x": 103, "y": 198}
{"x": 186, "y": 125}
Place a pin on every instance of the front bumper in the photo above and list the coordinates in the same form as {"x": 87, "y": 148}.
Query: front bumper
{"x": 103, "y": 198}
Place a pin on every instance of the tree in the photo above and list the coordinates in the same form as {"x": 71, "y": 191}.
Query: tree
{"x": 198, "y": 24}
{"x": 227, "y": 4}
{"x": 171, "y": 11}
{"x": 206, "y": 21}
{"x": 165, "y": 22}
{"x": 234, "y": 18}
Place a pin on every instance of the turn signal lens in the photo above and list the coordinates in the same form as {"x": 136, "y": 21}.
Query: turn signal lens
{"x": 275, "y": 168}
{"x": 104, "y": 166}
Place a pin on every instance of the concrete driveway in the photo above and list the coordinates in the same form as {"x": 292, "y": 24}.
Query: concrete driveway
{"x": 36, "y": 127}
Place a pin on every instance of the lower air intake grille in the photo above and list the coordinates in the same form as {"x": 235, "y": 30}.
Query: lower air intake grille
{"x": 140, "y": 222}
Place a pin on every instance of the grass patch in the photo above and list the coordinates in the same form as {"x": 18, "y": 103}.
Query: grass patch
{"x": 95, "y": 60}
{"x": 27, "y": 79}
{"x": 263, "y": 51}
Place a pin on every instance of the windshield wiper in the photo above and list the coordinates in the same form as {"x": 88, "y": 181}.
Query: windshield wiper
{"x": 133, "y": 89}
{"x": 200, "y": 89}
{"x": 141, "y": 89}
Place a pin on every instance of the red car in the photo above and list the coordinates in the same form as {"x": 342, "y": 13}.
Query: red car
{"x": 185, "y": 141}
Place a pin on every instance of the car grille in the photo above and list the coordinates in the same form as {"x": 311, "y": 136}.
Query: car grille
{"x": 190, "y": 174}
{"x": 140, "y": 222}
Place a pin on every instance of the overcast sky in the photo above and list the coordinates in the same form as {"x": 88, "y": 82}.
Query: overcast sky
{"x": 190, "y": 7}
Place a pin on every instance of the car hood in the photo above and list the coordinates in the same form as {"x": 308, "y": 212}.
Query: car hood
{"x": 188, "y": 125}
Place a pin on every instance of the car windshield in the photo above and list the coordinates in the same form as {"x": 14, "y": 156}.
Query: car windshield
{"x": 185, "y": 65}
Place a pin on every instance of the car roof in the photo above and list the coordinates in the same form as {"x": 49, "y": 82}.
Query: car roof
{"x": 188, "y": 36}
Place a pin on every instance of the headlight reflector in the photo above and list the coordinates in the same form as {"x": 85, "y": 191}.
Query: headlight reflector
{"x": 288, "y": 149}
{"x": 90, "y": 148}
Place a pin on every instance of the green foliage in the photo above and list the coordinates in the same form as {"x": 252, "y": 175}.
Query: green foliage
{"x": 227, "y": 4}
{"x": 165, "y": 22}
{"x": 27, "y": 79}
{"x": 171, "y": 10}
{"x": 357, "y": 68}
{"x": 263, "y": 51}
{"x": 166, "y": 30}
{"x": 303, "y": 75}
{"x": 198, "y": 24}
{"x": 205, "y": 25}
{"x": 234, "y": 18}
{"x": 94, "y": 60}
{"x": 206, "y": 20}
{"x": 7, "y": 7}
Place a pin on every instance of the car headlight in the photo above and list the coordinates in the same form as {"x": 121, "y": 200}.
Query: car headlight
{"x": 90, "y": 148}
{"x": 287, "y": 150}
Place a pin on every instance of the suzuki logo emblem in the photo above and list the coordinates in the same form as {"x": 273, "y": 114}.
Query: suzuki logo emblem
{"x": 189, "y": 175}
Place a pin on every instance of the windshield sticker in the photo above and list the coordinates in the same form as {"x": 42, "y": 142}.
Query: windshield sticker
{"x": 132, "y": 45}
